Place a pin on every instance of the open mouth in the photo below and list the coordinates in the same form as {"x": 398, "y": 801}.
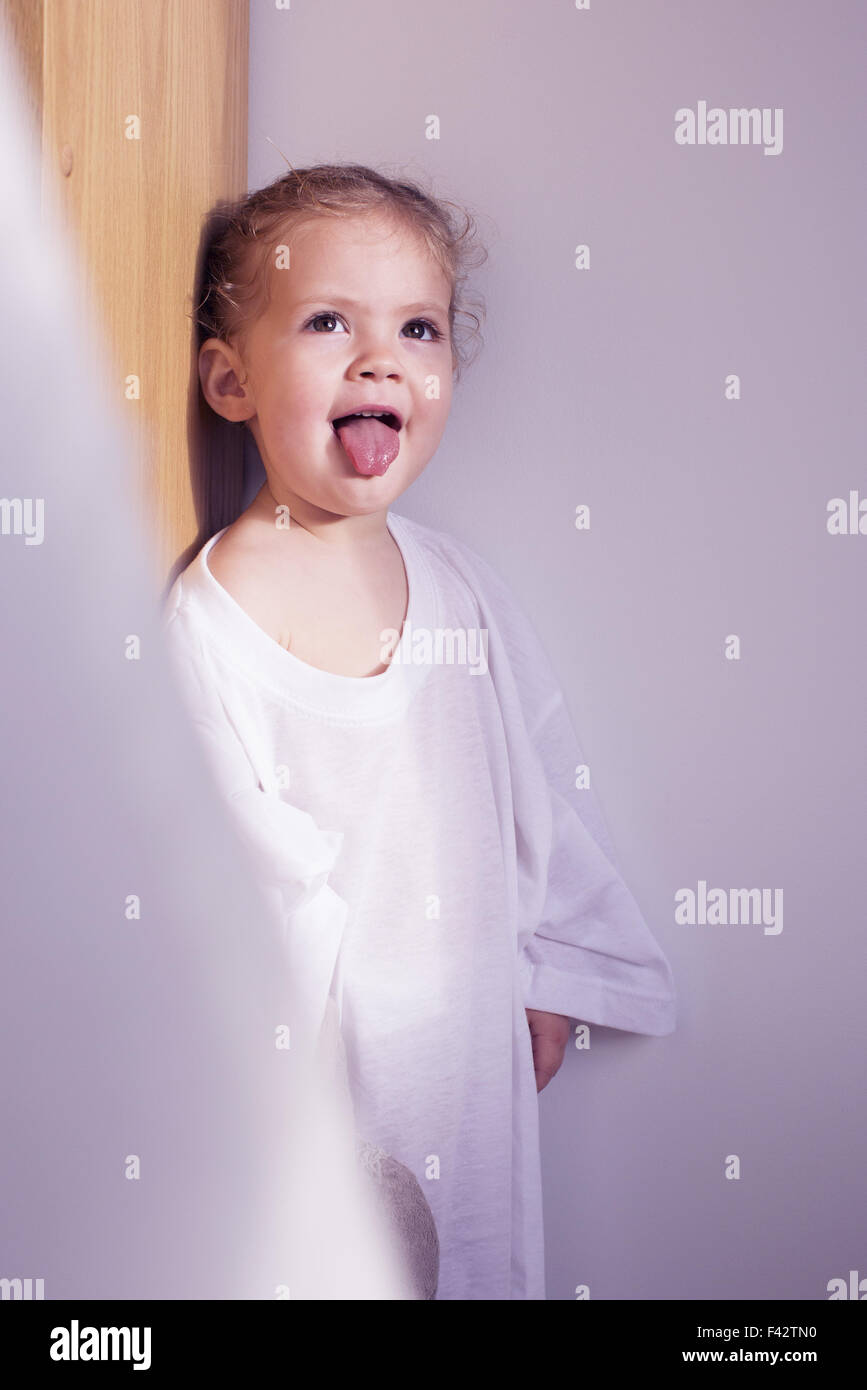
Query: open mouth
{"x": 387, "y": 417}
{"x": 370, "y": 439}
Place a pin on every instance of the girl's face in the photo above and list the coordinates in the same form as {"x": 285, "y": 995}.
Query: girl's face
{"x": 359, "y": 318}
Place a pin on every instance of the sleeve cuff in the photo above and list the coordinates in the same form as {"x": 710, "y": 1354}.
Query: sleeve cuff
{"x": 555, "y": 991}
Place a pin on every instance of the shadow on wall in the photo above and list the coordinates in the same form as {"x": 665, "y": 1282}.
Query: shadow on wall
{"x": 216, "y": 447}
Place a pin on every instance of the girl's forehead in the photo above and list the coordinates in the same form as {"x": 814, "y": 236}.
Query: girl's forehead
{"x": 354, "y": 231}
{"x": 330, "y": 246}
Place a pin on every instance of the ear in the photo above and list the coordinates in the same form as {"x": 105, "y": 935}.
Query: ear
{"x": 224, "y": 381}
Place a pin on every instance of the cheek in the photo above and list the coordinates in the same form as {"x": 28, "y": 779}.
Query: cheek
{"x": 293, "y": 400}
{"x": 441, "y": 409}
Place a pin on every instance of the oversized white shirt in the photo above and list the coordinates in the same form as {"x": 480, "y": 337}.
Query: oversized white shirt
{"x": 436, "y": 872}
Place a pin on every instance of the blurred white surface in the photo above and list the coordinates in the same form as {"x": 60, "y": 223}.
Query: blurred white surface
{"x": 152, "y": 1038}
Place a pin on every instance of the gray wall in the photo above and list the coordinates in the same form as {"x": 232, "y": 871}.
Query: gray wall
{"x": 606, "y": 387}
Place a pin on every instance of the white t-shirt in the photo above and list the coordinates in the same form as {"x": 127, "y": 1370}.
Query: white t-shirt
{"x": 436, "y": 872}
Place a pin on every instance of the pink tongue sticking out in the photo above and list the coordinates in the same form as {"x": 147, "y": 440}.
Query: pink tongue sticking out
{"x": 370, "y": 443}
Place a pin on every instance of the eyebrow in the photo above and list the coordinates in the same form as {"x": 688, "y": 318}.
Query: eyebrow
{"x": 356, "y": 304}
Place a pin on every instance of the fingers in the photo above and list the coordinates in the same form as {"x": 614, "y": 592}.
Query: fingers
{"x": 548, "y": 1055}
{"x": 550, "y": 1034}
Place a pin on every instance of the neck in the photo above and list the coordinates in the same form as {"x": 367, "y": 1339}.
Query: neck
{"x": 330, "y": 527}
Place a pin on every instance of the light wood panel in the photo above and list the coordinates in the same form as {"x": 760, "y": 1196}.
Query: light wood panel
{"x": 143, "y": 112}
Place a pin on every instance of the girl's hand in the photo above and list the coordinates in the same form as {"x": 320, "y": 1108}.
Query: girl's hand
{"x": 550, "y": 1033}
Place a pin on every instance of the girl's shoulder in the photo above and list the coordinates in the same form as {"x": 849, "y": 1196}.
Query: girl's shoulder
{"x": 457, "y": 563}
{"x": 444, "y": 550}
{"x": 512, "y": 635}
{"x": 220, "y": 563}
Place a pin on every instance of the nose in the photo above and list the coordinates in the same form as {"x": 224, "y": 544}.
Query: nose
{"x": 378, "y": 367}
{"x": 377, "y": 361}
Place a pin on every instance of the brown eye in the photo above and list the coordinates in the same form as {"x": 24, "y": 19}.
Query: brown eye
{"x": 317, "y": 318}
{"x": 424, "y": 323}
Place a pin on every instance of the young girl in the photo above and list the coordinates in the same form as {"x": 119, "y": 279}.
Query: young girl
{"x": 385, "y": 723}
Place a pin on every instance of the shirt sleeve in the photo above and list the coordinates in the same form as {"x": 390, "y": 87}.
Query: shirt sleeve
{"x": 584, "y": 948}
{"x": 290, "y": 855}
{"x": 591, "y": 955}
